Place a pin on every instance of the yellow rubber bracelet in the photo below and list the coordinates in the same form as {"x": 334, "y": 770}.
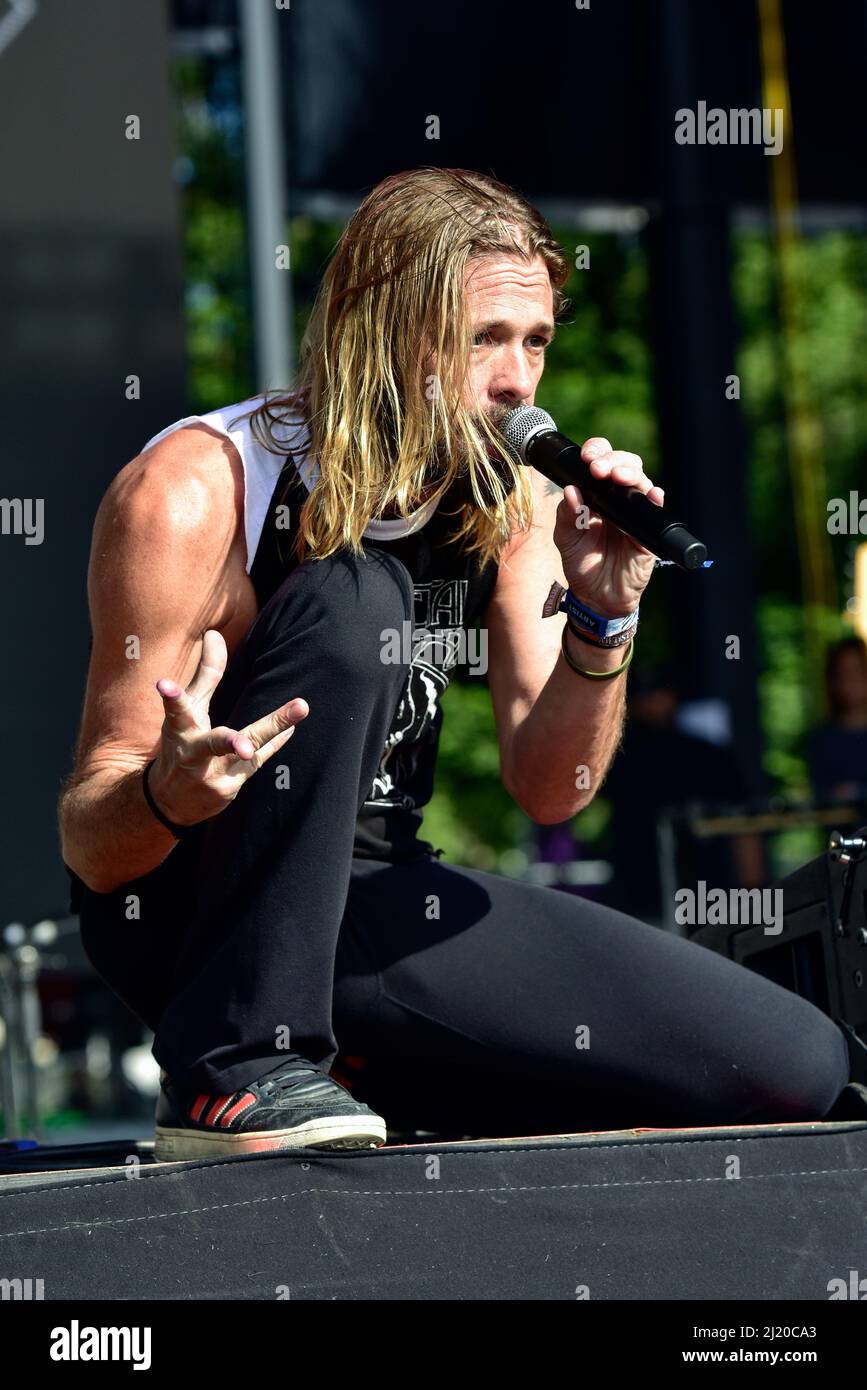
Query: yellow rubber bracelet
{"x": 595, "y": 675}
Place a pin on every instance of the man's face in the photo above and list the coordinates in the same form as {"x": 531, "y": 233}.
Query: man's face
{"x": 511, "y": 309}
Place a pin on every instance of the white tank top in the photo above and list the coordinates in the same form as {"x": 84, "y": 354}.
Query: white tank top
{"x": 262, "y": 468}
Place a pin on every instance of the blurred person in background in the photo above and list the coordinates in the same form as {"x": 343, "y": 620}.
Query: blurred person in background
{"x": 837, "y": 749}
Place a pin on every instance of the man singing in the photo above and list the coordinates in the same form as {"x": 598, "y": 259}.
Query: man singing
{"x": 242, "y": 820}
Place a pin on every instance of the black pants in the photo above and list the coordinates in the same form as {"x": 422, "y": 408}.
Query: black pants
{"x": 265, "y": 931}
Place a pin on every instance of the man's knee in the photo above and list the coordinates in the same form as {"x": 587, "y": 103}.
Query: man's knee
{"x": 809, "y": 1066}
{"x": 823, "y": 1064}
{"x": 361, "y": 602}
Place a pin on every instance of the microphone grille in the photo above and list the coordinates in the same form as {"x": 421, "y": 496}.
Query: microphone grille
{"x": 519, "y": 427}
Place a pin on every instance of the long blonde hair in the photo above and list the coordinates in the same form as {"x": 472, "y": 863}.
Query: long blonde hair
{"x": 391, "y": 303}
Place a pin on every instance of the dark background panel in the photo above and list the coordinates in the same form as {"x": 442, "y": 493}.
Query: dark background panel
{"x": 559, "y": 101}
{"x": 544, "y": 96}
{"x": 90, "y": 292}
{"x": 826, "y": 52}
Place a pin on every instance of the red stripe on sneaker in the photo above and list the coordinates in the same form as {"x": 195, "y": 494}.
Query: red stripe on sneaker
{"x": 198, "y": 1107}
{"x": 238, "y": 1109}
{"x": 219, "y": 1104}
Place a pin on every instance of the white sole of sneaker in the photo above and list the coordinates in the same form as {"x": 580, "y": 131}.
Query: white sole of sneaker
{"x": 338, "y": 1132}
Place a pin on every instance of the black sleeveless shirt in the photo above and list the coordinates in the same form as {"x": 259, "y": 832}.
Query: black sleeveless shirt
{"x": 450, "y": 594}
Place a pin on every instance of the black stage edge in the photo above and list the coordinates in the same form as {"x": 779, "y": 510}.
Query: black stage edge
{"x": 746, "y": 1213}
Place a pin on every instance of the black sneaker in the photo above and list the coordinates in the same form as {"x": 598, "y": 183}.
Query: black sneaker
{"x": 295, "y": 1106}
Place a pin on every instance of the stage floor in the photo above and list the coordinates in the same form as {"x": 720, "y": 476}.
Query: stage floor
{"x": 747, "y": 1212}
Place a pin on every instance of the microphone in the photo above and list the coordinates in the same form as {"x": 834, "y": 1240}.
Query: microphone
{"x": 532, "y": 438}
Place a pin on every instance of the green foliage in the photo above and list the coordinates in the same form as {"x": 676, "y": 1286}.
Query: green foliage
{"x": 830, "y": 277}
{"x": 598, "y": 372}
{"x": 830, "y": 281}
{"x": 217, "y": 304}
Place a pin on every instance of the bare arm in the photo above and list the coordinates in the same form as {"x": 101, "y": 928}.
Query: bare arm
{"x": 167, "y": 563}
{"x": 550, "y": 721}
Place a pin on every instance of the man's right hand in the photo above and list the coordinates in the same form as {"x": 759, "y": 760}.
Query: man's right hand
{"x": 200, "y": 770}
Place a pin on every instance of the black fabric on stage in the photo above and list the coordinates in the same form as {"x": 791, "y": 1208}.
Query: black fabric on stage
{"x": 655, "y": 1216}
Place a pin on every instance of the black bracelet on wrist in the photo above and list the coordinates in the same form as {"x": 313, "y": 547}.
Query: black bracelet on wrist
{"x": 179, "y": 831}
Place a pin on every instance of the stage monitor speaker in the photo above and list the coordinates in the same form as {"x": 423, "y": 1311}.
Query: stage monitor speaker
{"x": 821, "y": 951}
